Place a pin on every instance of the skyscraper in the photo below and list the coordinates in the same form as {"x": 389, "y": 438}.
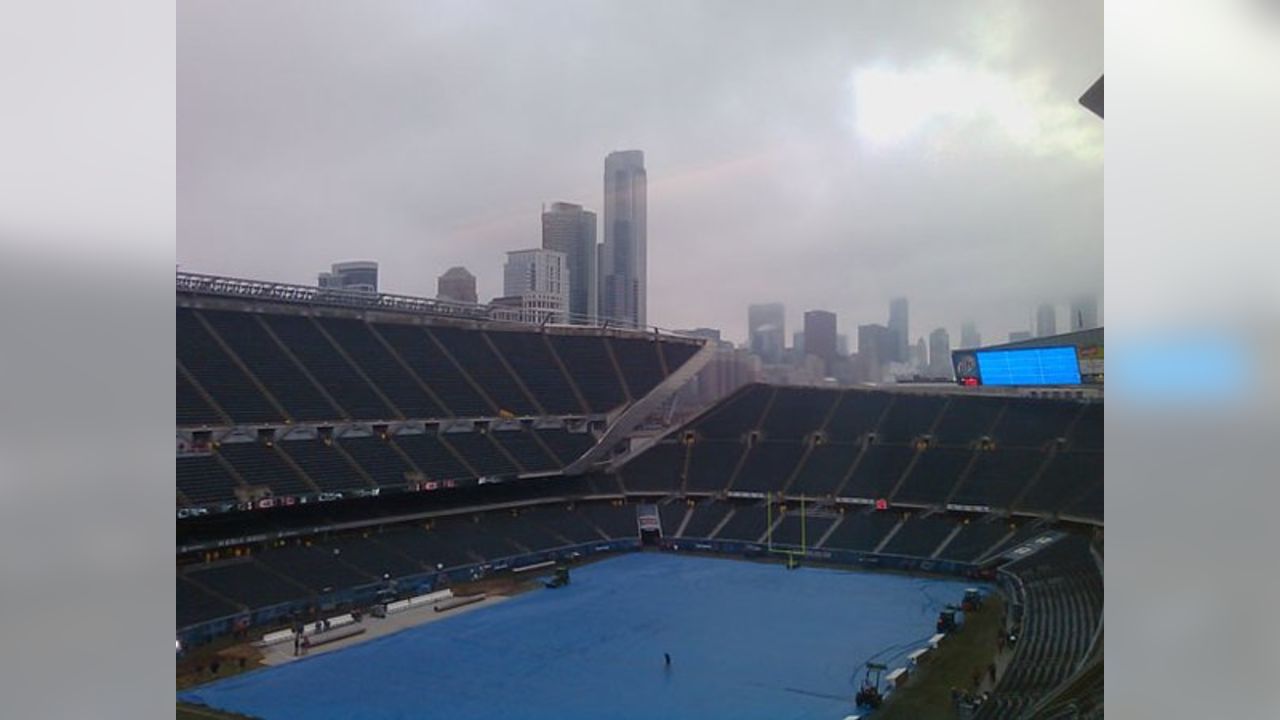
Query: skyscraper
{"x": 920, "y": 355}
{"x": 940, "y": 353}
{"x": 767, "y": 331}
{"x": 456, "y": 285}
{"x": 570, "y": 229}
{"x": 969, "y": 336}
{"x": 623, "y": 265}
{"x": 1046, "y": 320}
{"x": 535, "y": 287}
{"x": 900, "y": 327}
{"x": 875, "y": 351}
{"x": 358, "y": 275}
{"x": 820, "y": 336}
{"x": 1019, "y": 335}
{"x": 1084, "y": 313}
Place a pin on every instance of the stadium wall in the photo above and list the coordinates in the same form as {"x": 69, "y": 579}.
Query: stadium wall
{"x": 201, "y": 633}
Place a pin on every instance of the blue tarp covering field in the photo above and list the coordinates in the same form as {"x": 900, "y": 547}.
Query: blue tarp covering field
{"x": 747, "y": 640}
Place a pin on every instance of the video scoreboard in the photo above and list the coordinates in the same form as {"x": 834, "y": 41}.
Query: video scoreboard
{"x": 1021, "y": 367}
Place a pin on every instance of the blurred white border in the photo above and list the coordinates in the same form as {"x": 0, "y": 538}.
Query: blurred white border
{"x": 87, "y": 160}
{"x": 1193, "y": 287}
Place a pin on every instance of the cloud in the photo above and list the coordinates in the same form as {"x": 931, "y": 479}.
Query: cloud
{"x": 428, "y": 134}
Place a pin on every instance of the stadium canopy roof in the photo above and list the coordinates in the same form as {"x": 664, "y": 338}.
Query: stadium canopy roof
{"x": 1079, "y": 338}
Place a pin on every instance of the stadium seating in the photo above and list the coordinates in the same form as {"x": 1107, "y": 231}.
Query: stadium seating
{"x": 603, "y": 484}
{"x": 878, "y": 470}
{"x": 305, "y": 571}
{"x": 524, "y": 530}
{"x": 481, "y": 453}
{"x": 287, "y": 383}
{"x": 659, "y": 469}
{"x": 193, "y": 409}
{"x": 566, "y": 445}
{"x": 565, "y": 522}
{"x": 406, "y": 393}
{"x": 672, "y": 515}
{"x": 997, "y": 477}
{"x": 432, "y": 456}
{"x": 854, "y": 443}
{"x": 1065, "y": 479}
{"x": 480, "y": 534}
{"x": 371, "y": 558}
{"x": 1032, "y": 423}
{"x": 1022, "y": 532}
{"x": 1080, "y": 697}
{"x": 260, "y": 464}
{"x": 430, "y": 548}
{"x": 933, "y": 476}
{"x": 615, "y": 521}
{"x": 704, "y": 518}
{"x": 797, "y": 413}
{"x": 919, "y": 536}
{"x": 320, "y": 569}
{"x": 233, "y": 390}
{"x": 767, "y": 466}
{"x": 909, "y": 417}
{"x": 589, "y": 364}
{"x": 1090, "y": 503}
{"x": 1087, "y": 432}
{"x": 639, "y": 362}
{"x": 964, "y": 422}
{"x": 340, "y": 379}
{"x": 733, "y": 417}
{"x": 266, "y": 367}
{"x": 327, "y": 467}
{"x": 861, "y": 531}
{"x": 196, "y": 605}
{"x": 530, "y": 357}
{"x": 711, "y": 464}
{"x": 975, "y": 538}
{"x": 442, "y": 375}
{"x": 523, "y": 446}
{"x": 202, "y": 479}
{"x": 796, "y": 530}
{"x": 748, "y": 523}
{"x": 824, "y": 469}
{"x": 247, "y": 583}
{"x": 1062, "y": 590}
{"x": 949, "y": 469}
{"x": 857, "y": 413}
{"x": 380, "y": 461}
{"x": 473, "y": 353}
{"x": 675, "y": 354}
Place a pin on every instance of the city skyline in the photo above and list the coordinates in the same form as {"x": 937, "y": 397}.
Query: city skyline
{"x": 567, "y": 228}
{"x": 299, "y": 147}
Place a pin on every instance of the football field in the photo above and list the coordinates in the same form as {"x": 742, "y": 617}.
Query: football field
{"x": 746, "y": 640}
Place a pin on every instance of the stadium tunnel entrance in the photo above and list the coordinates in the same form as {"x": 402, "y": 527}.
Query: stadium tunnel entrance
{"x": 649, "y": 524}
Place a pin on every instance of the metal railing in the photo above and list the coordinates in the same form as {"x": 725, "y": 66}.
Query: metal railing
{"x": 246, "y": 289}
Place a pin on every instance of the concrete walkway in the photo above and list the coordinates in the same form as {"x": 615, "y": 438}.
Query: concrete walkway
{"x": 282, "y": 653}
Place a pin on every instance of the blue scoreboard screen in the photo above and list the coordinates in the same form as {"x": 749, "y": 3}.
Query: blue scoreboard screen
{"x": 1029, "y": 366}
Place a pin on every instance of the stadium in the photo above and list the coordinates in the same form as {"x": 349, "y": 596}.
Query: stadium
{"x": 397, "y": 507}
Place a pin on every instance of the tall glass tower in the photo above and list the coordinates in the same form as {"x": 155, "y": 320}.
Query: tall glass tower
{"x": 623, "y": 266}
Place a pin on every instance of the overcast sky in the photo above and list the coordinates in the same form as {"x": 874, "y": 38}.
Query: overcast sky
{"x": 822, "y": 154}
